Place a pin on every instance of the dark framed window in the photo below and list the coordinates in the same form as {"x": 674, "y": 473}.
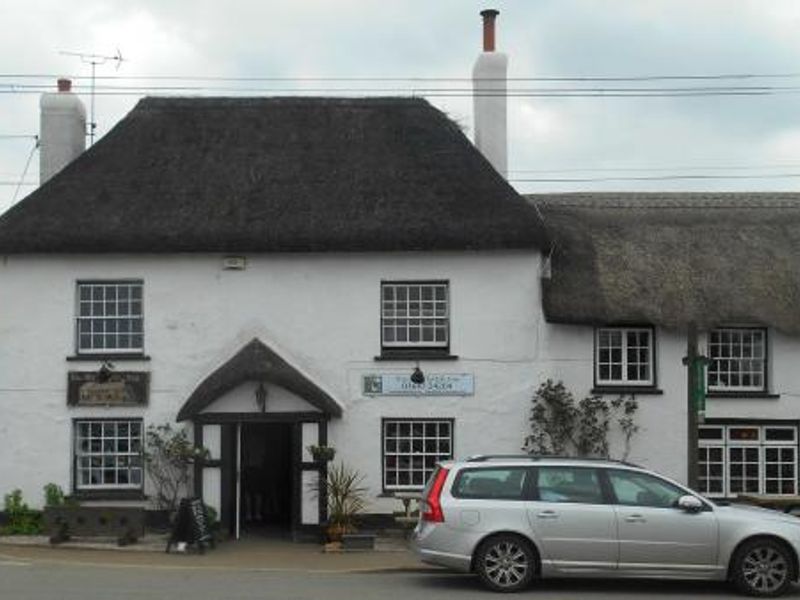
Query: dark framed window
{"x": 109, "y": 317}
{"x": 415, "y": 315}
{"x": 411, "y": 449}
{"x": 624, "y": 356}
{"x": 108, "y": 454}
{"x": 747, "y": 458}
{"x": 737, "y": 359}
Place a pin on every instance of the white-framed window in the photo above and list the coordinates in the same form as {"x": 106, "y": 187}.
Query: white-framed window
{"x": 411, "y": 449}
{"x": 624, "y": 356}
{"x": 109, "y": 317}
{"x": 737, "y": 359}
{"x": 415, "y": 314}
{"x": 108, "y": 454}
{"x": 747, "y": 459}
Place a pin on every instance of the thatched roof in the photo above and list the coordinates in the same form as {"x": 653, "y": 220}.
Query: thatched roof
{"x": 669, "y": 259}
{"x": 275, "y": 175}
{"x": 257, "y": 362}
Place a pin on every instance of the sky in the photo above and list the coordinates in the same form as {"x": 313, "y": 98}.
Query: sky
{"x": 606, "y": 95}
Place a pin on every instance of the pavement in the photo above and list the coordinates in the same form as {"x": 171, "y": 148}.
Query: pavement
{"x": 250, "y": 553}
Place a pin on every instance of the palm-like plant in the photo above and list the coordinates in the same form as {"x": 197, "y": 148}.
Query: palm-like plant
{"x": 346, "y": 496}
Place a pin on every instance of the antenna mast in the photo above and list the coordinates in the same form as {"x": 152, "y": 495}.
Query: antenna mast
{"x": 94, "y": 60}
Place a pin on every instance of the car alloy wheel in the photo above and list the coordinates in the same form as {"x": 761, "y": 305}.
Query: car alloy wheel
{"x": 506, "y": 563}
{"x": 763, "y": 568}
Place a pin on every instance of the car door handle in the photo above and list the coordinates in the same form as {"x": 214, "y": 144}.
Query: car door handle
{"x": 548, "y": 514}
{"x": 635, "y": 519}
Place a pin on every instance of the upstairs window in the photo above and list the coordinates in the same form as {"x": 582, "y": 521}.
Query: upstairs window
{"x": 109, "y": 317}
{"x": 415, "y": 315}
{"x": 624, "y": 356}
{"x": 738, "y": 359}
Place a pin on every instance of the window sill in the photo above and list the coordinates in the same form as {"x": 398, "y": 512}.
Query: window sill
{"x": 420, "y": 354}
{"x": 109, "y": 357}
{"x": 409, "y": 494}
{"x": 743, "y": 395}
{"x": 109, "y": 494}
{"x": 626, "y": 390}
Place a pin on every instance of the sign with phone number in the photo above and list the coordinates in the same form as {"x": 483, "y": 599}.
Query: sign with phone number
{"x": 435, "y": 384}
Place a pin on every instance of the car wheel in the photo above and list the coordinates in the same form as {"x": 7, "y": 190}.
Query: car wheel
{"x": 762, "y": 568}
{"x": 505, "y": 563}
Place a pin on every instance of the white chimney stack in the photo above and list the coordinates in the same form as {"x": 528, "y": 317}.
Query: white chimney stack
{"x": 62, "y": 130}
{"x": 489, "y": 95}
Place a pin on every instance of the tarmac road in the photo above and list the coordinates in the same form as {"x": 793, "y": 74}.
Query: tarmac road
{"x": 25, "y": 577}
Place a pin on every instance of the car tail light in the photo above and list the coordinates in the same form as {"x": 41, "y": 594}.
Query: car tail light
{"x": 433, "y": 505}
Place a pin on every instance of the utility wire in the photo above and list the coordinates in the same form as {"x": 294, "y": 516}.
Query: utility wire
{"x": 652, "y": 178}
{"x": 25, "y": 170}
{"x": 579, "y": 78}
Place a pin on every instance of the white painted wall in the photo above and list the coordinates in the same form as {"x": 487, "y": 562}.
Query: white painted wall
{"x": 321, "y": 313}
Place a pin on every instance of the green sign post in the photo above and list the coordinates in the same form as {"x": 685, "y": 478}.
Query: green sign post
{"x": 699, "y": 387}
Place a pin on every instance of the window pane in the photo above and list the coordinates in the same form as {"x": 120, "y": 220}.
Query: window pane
{"x": 108, "y": 453}
{"x": 105, "y": 309}
{"x": 506, "y": 483}
{"x": 639, "y": 489}
{"x": 568, "y": 484}
{"x": 427, "y": 300}
{"x": 413, "y": 447}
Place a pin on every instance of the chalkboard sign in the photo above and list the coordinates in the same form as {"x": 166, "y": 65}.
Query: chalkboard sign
{"x": 191, "y": 526}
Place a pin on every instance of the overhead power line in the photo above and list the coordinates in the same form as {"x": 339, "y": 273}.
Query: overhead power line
{"x": 685, "y": 177}
{"x": 557, "y": 78}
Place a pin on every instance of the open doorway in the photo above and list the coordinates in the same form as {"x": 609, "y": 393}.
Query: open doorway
{"x": 267, "y": 479}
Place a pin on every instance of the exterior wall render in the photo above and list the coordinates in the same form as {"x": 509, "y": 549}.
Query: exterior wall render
{"x": 321, "y": 313}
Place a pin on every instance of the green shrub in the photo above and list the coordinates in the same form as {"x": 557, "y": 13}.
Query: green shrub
{"x": 21, "y": 519}
{"x": 53, "y": 495}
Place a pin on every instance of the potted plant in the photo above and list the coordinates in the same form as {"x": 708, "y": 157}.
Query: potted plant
{"x": 346, "y": 500}
{"x": 322, "y": 453}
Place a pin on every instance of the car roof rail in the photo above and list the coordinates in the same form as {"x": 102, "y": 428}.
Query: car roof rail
{"x": 535, "y": 457}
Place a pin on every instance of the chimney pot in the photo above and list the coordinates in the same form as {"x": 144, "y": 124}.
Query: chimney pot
{"x": 64, "y": 84}
{"x": 489, "y": 16}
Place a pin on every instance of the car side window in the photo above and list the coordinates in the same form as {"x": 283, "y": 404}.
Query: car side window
{"x": 568, "y": 484}
{"x": 501, "y": 483}
{"x": 639, "y": 489}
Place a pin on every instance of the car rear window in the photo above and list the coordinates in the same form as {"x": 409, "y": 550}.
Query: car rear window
{"x": 496, "y": 483}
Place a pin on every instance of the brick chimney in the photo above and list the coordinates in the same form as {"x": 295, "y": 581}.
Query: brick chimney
{"x": 489, "y": 97}
{"x": 62, "y": 133}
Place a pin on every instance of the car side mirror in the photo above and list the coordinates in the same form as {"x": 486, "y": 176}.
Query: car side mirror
{"x": 690, "y": 504}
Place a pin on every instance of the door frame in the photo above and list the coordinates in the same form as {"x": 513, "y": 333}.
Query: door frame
{"x": 231, "y": 423}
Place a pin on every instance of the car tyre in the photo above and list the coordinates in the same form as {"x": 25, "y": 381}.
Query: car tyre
{"x": 506, "y": 563}
{"x": 762, "y": 568}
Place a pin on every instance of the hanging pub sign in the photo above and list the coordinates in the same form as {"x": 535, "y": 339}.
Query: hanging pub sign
{"x": 115, "y": 388}
{"x": 434, "y": 384}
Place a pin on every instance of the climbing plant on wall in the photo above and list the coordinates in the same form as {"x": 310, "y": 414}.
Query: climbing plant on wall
{"x": 560, "y": 425}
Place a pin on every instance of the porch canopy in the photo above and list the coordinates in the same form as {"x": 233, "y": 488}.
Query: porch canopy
{"x": 257, "y": 362}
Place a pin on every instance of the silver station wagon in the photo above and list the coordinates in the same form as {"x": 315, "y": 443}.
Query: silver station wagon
{"x": 513, "y": 519}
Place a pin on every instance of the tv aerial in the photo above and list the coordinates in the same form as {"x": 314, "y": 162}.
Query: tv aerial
{"x": 94, "y": 60}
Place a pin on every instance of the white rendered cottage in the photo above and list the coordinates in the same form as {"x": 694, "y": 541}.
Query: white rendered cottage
{"x": 269, "y": 272}
{"x": 272, "y": 272}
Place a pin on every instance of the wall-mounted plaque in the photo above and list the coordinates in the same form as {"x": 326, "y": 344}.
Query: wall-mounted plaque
{"x": 435, "y": 384}
{"x": 118, "y": 388}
